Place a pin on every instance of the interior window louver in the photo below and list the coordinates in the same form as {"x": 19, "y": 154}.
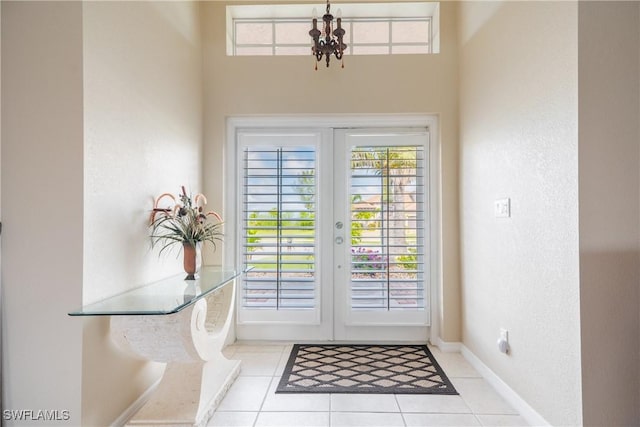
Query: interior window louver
{"x": 387, "y": 228}
{"x": 279, "y": 227}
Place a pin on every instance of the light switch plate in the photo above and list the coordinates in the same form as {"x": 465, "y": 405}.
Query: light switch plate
{"x": 502, "y": 208}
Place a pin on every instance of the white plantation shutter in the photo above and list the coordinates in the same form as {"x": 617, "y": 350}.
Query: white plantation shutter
{"x": 387, "y": 227}
{"x": 278, "y": 236}
{"x": 333, "y": 228}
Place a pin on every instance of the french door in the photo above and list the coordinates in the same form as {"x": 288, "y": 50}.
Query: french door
{"x": 334, "y": 227}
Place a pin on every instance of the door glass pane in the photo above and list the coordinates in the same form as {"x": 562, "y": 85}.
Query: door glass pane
{"x": 387, "y": 194}
{"x": 279, "y": 227}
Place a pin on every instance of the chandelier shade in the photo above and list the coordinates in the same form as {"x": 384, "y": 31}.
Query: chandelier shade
{"x": 329, "y": 41}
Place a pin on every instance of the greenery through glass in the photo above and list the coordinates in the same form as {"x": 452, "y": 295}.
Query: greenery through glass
{"x": 386, "y": 226}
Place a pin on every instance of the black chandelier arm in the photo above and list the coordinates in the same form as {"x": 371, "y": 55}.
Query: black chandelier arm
{"x": 315, "y": 32}
{"x": 327, "y": 49}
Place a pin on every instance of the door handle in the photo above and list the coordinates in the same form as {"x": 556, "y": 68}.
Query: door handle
{"x": 339, "y": 225}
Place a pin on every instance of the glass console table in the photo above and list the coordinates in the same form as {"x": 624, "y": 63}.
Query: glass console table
{"x": 183, "y": 323}
{"x": 166, "y": 296}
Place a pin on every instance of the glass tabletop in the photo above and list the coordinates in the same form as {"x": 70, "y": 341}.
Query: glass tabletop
{"x": 166, "y": 296}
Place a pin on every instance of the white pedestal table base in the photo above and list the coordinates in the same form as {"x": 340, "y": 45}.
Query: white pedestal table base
{"x": 197, "y": 375}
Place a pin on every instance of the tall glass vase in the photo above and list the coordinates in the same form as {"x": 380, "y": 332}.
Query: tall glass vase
{"x": 192, "y": 259}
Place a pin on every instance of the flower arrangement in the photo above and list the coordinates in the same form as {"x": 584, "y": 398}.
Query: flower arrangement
{"x": 185, "y": 223}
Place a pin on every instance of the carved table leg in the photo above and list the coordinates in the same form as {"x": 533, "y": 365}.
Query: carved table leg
{"x": 197, "y": 375}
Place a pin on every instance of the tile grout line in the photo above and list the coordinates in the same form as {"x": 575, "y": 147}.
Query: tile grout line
{"x": 477, "y": 419}
{"x": 284, "y": 354}
{"x": 264, "y": 399}
{"x": 404, "y": 421}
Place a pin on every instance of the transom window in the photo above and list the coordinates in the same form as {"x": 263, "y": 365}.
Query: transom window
{"x": 371, "y": 29}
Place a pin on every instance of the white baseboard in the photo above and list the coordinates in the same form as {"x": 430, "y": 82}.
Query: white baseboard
{"x": 518, "y": 403}
{"x": 445, "y": 346}
{"x": 135, "y": 406}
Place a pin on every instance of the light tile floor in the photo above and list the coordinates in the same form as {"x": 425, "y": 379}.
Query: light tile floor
{"x": 252, "y": 401}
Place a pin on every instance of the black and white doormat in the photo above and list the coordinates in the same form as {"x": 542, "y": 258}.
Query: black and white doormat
{"x": 382, "y": 369}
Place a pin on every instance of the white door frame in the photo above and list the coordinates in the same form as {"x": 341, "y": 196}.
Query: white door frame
{"x": 373, "y": 325}
{"x": 309, "y": 324}
{"x": 342, "y": 121}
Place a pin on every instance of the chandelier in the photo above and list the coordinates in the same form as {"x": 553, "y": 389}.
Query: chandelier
{"x": 327, "y": 42}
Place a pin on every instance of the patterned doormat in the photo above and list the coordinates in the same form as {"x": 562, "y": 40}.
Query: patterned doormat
{"x": 382, "y": 369}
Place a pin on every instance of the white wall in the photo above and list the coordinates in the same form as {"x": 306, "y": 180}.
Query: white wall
{"x": 42, "y": 199}
{"x": 143, "y": 137}
{"x": 609, "y": 105}
{"x": 519, "y": 139}
{"x": 288, "y": 85}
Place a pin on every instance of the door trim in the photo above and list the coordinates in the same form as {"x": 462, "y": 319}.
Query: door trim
{"x": 368, "y": 325}
{"x": 344, "y": 121}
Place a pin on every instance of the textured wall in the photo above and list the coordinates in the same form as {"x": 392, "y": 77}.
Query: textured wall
{"x": 42, "y": 199}
{"x": 609, "y": 40}
{"x": 143, "y": 137}
{"x": 518, "y": 108}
